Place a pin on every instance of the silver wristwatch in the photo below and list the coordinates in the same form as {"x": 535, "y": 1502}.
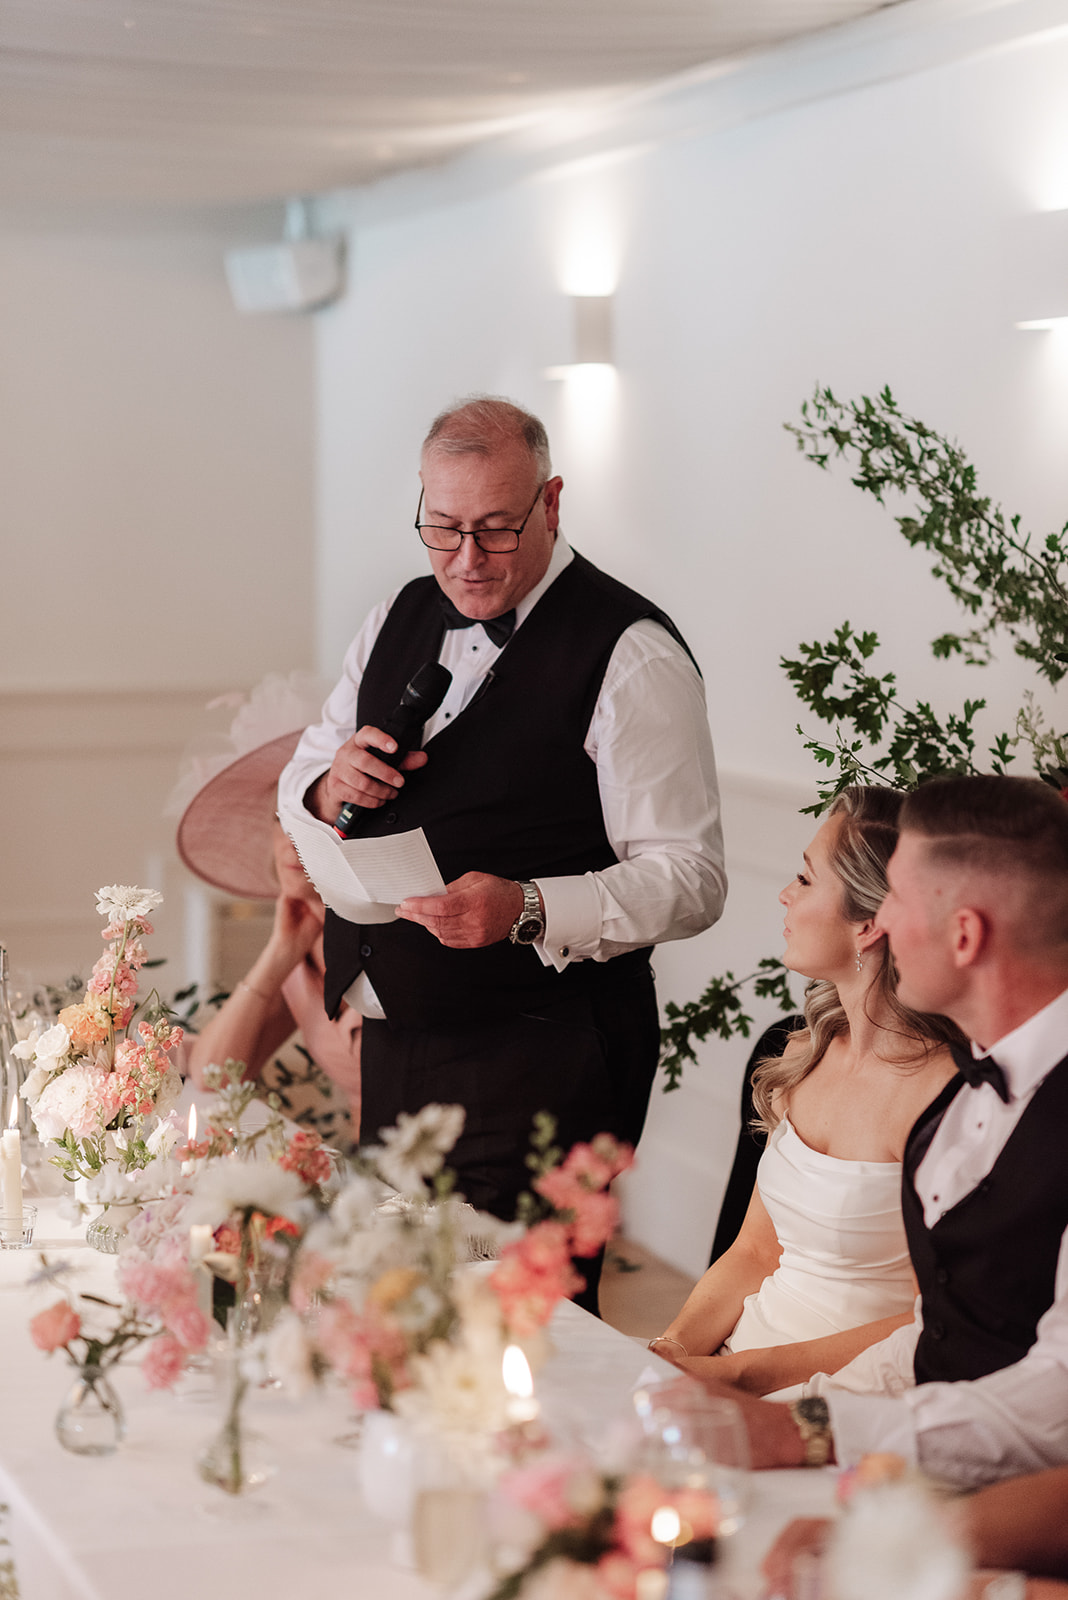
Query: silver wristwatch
{"x": 530, "y": 923}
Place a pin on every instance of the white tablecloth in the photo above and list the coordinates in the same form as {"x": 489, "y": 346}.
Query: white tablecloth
{"x": 140, "y": 1523}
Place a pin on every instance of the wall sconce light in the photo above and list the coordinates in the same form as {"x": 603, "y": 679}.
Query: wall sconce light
{"x": 591, "y": 334}
{"x": 1040, "y": 272}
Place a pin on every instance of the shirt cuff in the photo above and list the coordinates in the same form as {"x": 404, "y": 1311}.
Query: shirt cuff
{"x": 863, "y": 1423}
{"x": 572, "y": 920}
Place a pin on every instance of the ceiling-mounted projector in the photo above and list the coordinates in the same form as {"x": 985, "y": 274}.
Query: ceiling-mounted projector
{"x": 303, "y": 273}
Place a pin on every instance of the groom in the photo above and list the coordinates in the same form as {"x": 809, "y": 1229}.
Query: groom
{"x": 977, "y": 921}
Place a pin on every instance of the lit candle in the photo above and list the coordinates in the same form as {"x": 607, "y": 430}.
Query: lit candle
{"x": 515, "y": 1371}
{"x": 191, "y": 1139}
{"x": 11, "y": 1175}
{"x": 201, "y": 1243}
{"x": 666, "y": 1525}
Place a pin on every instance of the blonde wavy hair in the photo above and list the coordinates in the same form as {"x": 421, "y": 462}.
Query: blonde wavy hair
{"x": 861, "y": 851}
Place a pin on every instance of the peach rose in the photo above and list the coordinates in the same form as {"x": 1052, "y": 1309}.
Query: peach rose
{"x": 53, "y": 1329}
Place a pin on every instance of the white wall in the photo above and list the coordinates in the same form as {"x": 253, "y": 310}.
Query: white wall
{"x": 842, "y": 211}
{"x": 157, "y": 515}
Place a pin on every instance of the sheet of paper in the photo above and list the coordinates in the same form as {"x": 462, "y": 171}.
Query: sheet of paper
{"x": 364, "y": 880}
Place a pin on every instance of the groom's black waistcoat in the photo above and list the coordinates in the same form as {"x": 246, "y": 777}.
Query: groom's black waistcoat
{"x": 987, "y": 1268}
{"x": 508, "y": 790}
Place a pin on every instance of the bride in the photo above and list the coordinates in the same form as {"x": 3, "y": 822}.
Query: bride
{"x": 820, "y": 1269}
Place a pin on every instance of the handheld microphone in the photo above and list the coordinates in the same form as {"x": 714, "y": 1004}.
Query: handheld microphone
{"x": 418, "y": 703}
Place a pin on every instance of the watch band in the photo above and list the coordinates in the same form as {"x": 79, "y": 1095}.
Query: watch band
{"x": 813, "y": 1418}
{"x": 530, "y": 923}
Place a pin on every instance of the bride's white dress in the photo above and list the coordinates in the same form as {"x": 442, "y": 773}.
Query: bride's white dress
{"x": 844, "y": 1261}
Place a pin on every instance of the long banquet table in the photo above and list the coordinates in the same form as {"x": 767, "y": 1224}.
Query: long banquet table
{"x": 140, "y": 1522}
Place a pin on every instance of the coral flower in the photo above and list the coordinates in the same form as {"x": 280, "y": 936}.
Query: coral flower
{"x": 53, "y": 1329}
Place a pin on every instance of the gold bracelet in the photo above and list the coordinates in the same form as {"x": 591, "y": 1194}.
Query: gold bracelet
{"x": 665, "y": 1338}
{"x": 257, "y": 992}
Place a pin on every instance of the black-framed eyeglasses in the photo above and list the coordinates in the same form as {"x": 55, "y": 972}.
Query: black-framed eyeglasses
{"x": 495, "y": 541}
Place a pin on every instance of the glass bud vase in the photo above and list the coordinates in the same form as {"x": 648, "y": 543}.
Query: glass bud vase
{"x": 91, "y": 1422}
{"x": 235, "y": 1460}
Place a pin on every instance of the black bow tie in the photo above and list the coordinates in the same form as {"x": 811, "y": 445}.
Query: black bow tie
{"x": 499, "y": 629}
{"x": 984, "y": 1071}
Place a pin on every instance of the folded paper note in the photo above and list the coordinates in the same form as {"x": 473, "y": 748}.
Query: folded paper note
{"x": 364, "y": 880}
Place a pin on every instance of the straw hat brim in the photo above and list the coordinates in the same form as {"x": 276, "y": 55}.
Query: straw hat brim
{"x": 225, "y": 834}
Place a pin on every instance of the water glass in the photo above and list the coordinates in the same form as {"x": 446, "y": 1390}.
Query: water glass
{"x": 694, "y": 1440}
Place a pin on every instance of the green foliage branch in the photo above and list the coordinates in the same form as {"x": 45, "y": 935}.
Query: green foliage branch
{"x": 1007, "y": 582}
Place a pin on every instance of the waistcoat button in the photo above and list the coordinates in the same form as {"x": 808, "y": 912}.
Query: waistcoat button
{"x": 936, "y": 1330}
{"x": 365, "y": 951}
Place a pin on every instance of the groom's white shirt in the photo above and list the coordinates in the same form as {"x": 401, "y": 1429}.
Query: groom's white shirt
{"x": 1012, "y": 1421}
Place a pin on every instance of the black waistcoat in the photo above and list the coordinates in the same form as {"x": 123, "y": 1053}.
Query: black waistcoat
{"x": 987, "y": 1268}
{"x": 508, "y": 790}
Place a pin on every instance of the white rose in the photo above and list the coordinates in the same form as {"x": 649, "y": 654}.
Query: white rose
{"x": 53, "y": 1045}
{"x": 35, "y": 1082}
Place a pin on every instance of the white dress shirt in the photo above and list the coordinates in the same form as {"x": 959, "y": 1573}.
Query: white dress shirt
{"x": 656, "y": 774}
{"x": 1015, "y": 1420}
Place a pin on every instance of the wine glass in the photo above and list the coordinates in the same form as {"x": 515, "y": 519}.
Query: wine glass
{"x": 694, "y": 1440}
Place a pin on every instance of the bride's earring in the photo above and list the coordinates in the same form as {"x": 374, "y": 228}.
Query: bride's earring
{"x": 860, "y": 961}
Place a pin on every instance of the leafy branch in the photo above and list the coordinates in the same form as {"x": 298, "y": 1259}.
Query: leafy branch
{"x": 1005, "y": 581}
{"x": 997, "y": 574}
{"x": 719, "y": 1010}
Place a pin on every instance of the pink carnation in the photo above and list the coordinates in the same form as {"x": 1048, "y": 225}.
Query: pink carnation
{"x": 163, "y": 1361}
{"x": 53, "y": 1329}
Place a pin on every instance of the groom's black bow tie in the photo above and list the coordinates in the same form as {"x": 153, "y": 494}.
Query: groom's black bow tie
{"x": 976, "y": 1072}
{"x": 499, "y": 629}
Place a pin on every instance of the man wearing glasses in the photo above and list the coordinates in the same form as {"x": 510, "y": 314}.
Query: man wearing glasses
{"x": 568, "y": 791}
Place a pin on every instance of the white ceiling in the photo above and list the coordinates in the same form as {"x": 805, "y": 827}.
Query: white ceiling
{"x": 208, "y": 101}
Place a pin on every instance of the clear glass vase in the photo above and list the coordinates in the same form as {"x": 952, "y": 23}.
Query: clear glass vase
{"x": 91, "y": 1421}
{"x": 235, "y": 1460}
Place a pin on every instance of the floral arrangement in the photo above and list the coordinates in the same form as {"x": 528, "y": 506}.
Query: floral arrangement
{"x": 574, "y": 1521}
{"x": 95, "y": 1079}
{"x": 894, "y": 1540}
{"x": 160, "y": 1306}
{"x": 570, "y": 1213}
{"x": 375, "y": 1292}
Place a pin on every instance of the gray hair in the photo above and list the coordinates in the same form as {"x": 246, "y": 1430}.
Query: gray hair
{"x": 482, "y": 423}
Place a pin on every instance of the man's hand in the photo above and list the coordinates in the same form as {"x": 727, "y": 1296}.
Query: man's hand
{"x": 792, "y": 1556}
{"x": 475, "y": 910}
{"x": 774, "y": 1437}
{"x": 359, "y": 776}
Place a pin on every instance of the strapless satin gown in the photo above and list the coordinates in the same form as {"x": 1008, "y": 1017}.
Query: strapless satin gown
{"x": 844, "y": 1261}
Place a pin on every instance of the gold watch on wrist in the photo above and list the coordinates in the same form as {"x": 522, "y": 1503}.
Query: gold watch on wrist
{"x": 813, "y": 1418}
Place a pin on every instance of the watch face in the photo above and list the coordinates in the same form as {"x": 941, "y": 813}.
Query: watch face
{"x": 528, "y": 930}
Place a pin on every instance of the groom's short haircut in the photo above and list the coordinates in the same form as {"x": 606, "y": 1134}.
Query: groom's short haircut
{"x": 994, "y": 827}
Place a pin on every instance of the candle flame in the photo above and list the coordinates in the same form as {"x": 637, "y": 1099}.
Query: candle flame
{"x": 666, "y": 1525}
{"x": 193, "y": 1123}
{"x": 13, "y": 1112}
{"x": 515, "y": 1371}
